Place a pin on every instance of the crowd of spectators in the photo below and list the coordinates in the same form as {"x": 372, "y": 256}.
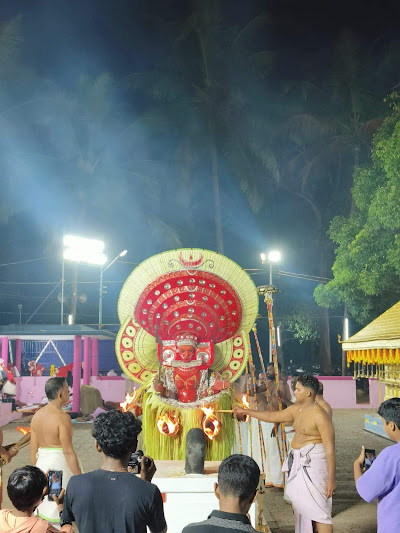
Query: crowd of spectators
{"x": 112, "y": 499}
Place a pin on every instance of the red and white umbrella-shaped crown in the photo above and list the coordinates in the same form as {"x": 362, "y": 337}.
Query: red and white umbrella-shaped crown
{"x": 191, "y": 292}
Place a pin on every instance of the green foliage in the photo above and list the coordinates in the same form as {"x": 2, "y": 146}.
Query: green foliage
{"x": 367, "y": 266}
{"x": 302, "y": 322}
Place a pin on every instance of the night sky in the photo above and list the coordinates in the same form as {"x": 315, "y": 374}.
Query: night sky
{"x": 61, "y": 41}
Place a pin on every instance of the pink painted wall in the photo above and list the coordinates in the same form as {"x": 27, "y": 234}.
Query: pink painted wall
{"x": 30, "y": 390}
{"x": 112, "y": 389}
{"x": 339, "y": 392}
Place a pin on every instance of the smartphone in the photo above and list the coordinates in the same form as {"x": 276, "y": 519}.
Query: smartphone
{"x": 370, "y": 457}
{"x": 54, "y": 483}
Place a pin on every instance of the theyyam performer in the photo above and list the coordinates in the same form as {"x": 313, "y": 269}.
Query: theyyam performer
{"x": 310, "y": 465}
{"x": 185, "y": 317}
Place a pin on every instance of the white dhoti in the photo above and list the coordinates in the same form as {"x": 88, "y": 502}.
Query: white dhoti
{"x": 52, "y": 459}
{"x": 307, "y": 473}
{"x": 241, "y": 444}
{"x": 274, "y": 450}
{"x": 290, "y": 432}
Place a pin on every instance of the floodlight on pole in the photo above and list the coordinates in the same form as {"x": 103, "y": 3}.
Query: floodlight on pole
{"x": 80, "y": 250}
{"x": 274, "y": 256}
{"x": 263, "y": 257}
{"x": 101, "y": 291}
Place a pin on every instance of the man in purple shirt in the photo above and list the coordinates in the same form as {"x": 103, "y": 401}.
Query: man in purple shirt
{"x": 382, "y": 479}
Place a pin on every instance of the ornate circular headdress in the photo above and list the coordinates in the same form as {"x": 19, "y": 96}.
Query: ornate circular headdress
{"x": 192, "y": 292}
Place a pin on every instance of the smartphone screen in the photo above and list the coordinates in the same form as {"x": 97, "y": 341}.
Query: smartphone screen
{"x": 54, "y": 483}
{"x": 370, "y": 457}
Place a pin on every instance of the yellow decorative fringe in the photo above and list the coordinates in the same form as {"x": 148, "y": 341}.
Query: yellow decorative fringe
{"x": 163, "y": 447}
{"x": 378, "y": 356}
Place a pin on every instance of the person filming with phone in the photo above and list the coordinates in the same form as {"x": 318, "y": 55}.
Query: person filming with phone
{"x": 113, "y": 498}
{"x": 380, "y": 478}
{"x": 27, "y": 488}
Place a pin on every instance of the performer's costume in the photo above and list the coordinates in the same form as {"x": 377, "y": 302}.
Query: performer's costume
{"x": 307, "y": 473}
{"x": 52, "y": 459}
{"x": 185, "y": 317}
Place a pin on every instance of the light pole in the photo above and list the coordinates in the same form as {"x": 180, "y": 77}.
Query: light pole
{"x": 101, "y": 291}
{"x": 80, "y": 250}
{"x": 345, "y": 336}
{"x": 274, "y": 256}
{"x": 20, "y": 313}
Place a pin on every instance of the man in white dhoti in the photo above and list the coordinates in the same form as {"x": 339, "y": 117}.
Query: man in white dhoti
{"x": 311, "y": 463}
{"x": 51, "y": 442}
{"x": 268, "y": 396}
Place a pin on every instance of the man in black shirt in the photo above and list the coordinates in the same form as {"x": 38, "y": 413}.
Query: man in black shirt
{"x": 112, "y": 499}
{"x": 236, "y": 490}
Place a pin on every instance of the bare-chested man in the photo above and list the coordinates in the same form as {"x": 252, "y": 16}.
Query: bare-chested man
{"x": 319, "y": 397}
{"x": 268, "y": 395}
{"x": 51, "y": 441}
{"x": 311, "y": 462}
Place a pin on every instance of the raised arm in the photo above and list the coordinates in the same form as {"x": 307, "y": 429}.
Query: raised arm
{"x": 286, "y": 416}
{"x": 34, "y": 446}
{"x": 65, "y": 433}
{"x": 327, "y": 432}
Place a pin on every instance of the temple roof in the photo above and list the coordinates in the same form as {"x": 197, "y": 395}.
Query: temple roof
{"x": 34, "y": 332}
{"x": 383, "y": 332}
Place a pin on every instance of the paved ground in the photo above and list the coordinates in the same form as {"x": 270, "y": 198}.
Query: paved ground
{"x": 350, "y": 514}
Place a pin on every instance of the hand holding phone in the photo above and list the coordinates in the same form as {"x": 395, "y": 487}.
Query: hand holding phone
{"x": 370, "y": 456}
{"x": 54, "y": 483}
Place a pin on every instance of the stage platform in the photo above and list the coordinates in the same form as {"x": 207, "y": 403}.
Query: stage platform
{"x": 192, "y": 494}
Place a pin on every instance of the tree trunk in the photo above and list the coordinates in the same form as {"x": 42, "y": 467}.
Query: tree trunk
{"x": 324, "y": 342}
{"x": 279, "y": 354}
{"x": 324, "y": 333}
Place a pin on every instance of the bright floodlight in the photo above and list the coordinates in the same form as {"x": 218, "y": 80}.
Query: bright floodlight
{"x": 124, "y": 252}
{"x": 71, "y": 241}
{"x": 346, "y": 329}
{"x": 274, "y": 256}
{"x": 263, "y": 257}
{"x": 82, "y": 250}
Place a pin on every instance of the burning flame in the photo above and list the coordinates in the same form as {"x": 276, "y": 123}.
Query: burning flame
{"x": 247, "y": 405}
{"x": 24, "y": 431}
{"x": 168, "y": 424}
{"x": 129, "y": 402}
{"x": 211, "y": 425}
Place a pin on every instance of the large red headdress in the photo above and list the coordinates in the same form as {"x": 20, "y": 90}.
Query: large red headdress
{"x": 192, "y": 292}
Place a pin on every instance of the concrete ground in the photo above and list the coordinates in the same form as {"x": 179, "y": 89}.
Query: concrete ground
{"x": 351, "y": 515}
